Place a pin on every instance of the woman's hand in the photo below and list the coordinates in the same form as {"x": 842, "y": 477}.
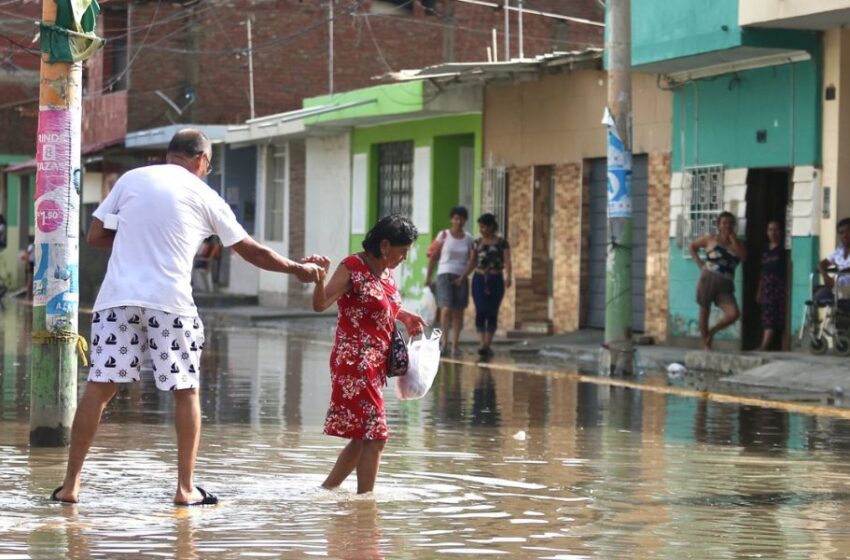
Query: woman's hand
{"x": 414, "y": 323}
{"x": 320, "y": 260}
{"x": 459, "y": 281}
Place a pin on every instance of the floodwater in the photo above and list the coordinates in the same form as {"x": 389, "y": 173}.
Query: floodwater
{"x": 489, "y": 464}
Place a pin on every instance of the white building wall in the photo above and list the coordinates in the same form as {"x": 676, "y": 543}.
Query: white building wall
{"x": 328, "y": 196}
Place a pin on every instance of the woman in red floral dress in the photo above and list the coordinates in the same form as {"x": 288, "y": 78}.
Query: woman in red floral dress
{"x": 369, "y": 303}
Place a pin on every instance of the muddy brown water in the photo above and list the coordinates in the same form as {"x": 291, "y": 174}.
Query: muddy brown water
{"x": 490, "y": 464}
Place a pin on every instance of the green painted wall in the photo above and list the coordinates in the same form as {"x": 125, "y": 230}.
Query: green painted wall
{"x": 715, "y": 120}
{"x": 391, "y": 99}
{"x": 445, "y": 167}
{"x": 441, "y": 134}
{"x": 11, "y": 269}
{"x": 667, "y": 29}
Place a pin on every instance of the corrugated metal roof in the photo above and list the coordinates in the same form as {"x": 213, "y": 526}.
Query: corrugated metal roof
{"x": 454, "y": 71}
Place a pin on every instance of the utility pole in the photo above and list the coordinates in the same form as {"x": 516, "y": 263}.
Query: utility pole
{"x": 449, "y": 32}
{"x": 250, "y": 65}
{"x": 618, "y": 117}
{"x": 55, "y": 340}
{"x": 330, "y": 46}
{"x": 507, "y": 10}
{"x": 521, "y": 39}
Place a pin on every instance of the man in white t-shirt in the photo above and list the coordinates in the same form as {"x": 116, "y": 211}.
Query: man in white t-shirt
{"x": 154, "y": 220}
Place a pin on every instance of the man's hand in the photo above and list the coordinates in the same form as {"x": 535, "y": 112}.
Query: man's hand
{"x": 310, "y": 273}
{"x": 414, "y": 323}
{"x": 459, "y": 281}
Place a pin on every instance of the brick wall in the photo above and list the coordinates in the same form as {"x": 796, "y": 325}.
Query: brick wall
{"x": 520, "y": 199}
{"x": 197, "y": 52}
{"x": 584, "y": 273}
{"x": 567, "y": 231}
{"x": 291, "y": 39}
{"x": 658, "y": 246}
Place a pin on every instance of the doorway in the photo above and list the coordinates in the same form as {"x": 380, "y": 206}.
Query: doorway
{"x": 768, "y": 193}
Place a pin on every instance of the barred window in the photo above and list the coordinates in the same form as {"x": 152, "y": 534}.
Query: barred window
{"x": 703, "y": 201}
{"x": 395, "y": 178}
{"x": 494, "y": 195}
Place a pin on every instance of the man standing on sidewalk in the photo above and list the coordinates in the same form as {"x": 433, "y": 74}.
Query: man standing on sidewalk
{"x": 154, "y": 220}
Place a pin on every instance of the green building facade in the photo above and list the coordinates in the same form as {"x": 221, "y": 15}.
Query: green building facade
{"x": 414, "y": 150}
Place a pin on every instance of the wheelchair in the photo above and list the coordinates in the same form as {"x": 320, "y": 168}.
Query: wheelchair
{"x": 826, "y": 320}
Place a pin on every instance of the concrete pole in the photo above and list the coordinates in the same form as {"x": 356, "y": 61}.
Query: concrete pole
{"x": 618, "y": 286}
{"x": 331, "y": 46}
{"x": 521, "y": 33}
{"x": 250, "y": 66}
{"x": 53, "y": 393}
{"x": 507, "y": 10}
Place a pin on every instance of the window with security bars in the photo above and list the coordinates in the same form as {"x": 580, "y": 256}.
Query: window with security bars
{"x": 494, "y": 195}
{"x": 395, "y": 178}
{"x": 703, "y": 202}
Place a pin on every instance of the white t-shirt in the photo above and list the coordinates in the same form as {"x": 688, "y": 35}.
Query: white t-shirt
{"x": 841, "y": 263}
{"x": 454, "y": 254}
{"x": 164, "y": 214}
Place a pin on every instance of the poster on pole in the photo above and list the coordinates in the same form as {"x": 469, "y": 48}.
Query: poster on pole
{"x": 619, "y": 172}
{"x": 57, "y": 208}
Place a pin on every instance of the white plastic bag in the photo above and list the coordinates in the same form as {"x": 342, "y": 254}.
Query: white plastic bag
{"x": 424, "y": 361}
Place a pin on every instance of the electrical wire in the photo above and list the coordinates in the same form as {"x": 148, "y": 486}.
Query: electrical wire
{"x": 488, "y": 31}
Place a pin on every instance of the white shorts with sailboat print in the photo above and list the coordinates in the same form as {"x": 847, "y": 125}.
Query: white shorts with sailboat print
{"x": 123, "y": 338}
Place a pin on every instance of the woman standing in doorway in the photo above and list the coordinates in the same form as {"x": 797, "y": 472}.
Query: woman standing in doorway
{"x": 771, "y": 290}
{"x": 491, "y": 260}
{"x": 369, "y": 304}
{"x": 451, "y": 254}
{"x": 716, "y": 283}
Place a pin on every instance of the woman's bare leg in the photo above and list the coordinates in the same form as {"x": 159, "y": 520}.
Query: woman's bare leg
{"x": 367, "y": 466}
{"x": 347, "y": 461}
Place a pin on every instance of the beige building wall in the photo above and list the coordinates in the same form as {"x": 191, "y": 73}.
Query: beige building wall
{"x": 556, "y": 120}
{"x": 836, "y": 132}
{"x": 774, "y": 12}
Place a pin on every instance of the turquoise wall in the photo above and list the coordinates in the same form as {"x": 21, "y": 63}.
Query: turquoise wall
{"x": 805, "y": 252}
{"x": 684, "y": 312}
{"x": 664, "y": 29}
{"x": 669, "y": 29}
{"x": 715, "y": 120}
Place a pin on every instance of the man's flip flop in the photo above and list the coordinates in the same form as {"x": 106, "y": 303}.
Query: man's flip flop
{"x": 56, "y": 498}
{"x": 208, "y": 500}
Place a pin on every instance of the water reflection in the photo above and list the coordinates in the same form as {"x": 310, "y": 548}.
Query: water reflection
{"x": 490, "y": 463}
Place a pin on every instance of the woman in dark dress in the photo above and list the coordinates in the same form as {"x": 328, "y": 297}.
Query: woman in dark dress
{"x": 771, "y": 291}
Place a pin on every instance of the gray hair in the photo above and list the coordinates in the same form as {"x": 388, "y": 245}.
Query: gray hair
{"x": 189, "y": 142}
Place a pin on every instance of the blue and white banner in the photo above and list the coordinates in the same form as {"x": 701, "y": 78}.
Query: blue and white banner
{"x": 619, "y": 173}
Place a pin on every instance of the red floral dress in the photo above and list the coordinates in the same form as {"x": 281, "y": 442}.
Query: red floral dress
{"x": 364, "y": 329}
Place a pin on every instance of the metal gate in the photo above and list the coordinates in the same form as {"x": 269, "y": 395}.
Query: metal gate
{"x": 599, "y": 239}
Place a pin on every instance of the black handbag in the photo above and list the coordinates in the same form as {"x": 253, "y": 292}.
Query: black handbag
{"x": 398, "y": 360}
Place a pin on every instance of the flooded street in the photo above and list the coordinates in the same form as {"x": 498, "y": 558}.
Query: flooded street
{"x": 490, "y": 463}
